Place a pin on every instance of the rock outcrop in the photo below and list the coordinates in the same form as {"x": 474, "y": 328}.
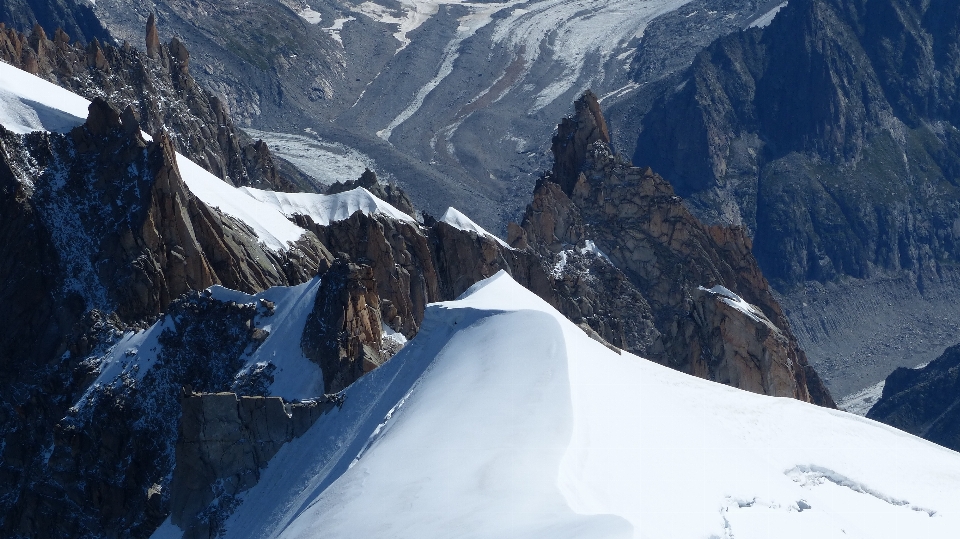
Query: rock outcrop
{"x": 162, "y": 95}
{"x": 344, "y": 330}
{"x": 924, "y": 401}
{"x": 101, "y": 235}
{"x": 633, "y": 216}
{"x": 224, "y": 441}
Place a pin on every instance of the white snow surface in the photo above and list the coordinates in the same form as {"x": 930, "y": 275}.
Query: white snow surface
{"x": 503, "y": 419}
{"x": 29, "y": 103}
{"x": 270, "y": 225}
{"x": 454, "y": 218}
{"x": 296, "y": 377}
{"x": 325, "y": 209}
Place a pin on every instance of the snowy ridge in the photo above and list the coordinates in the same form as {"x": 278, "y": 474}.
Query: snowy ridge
{"x": 325, "y": 209}
{"x": 503, "y": 419}
{"x": 454, "y": 218}
{"x": 739, "y": 304}
{"x": 28, "y": 103}
{"x": 767, "y": 18}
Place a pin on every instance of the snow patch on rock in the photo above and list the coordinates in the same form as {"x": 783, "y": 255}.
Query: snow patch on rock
{"x": 454, "y": 218}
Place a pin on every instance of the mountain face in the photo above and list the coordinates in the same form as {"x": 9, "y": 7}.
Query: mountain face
{"x": 683, "y": 269}
{"x": 831, "y": 135}
{"x": 157, "y": 85}
{"x": 119, "y": 243}
{"x": 923, "y": 401}
{"x": 449, "y": 97}
{"x": 76, "y": 18}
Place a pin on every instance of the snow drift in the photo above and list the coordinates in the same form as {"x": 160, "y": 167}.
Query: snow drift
{"x": 503, "y": 419}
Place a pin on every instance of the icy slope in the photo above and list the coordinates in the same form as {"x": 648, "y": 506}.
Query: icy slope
{"x": 502, "y": 419}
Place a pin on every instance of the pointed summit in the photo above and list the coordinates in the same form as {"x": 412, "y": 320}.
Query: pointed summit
{"x": 573, "y": 137}
{"x": 153, "y": 38}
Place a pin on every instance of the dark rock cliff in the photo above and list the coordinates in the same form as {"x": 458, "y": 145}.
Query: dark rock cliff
{"x": 99, "y": 221}
{"x": 831, "y": 135}
{"x": 924, "y": 401}
{"x": 75, "y": 17}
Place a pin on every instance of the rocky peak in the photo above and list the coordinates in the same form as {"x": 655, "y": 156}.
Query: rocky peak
{"x": 573, "y": 136}
{"x": 634, "y": 218}
{"x": 344, "y": 331}
{"x": 152, "y": 37}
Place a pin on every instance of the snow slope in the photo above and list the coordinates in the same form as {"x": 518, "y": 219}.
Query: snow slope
{"x": 325, "y": 209}
{"x": 503, "y": 419}
{"x": 29, "y": 103}
{"x": 454, "y": 218}
{"x": 295, "y": 377}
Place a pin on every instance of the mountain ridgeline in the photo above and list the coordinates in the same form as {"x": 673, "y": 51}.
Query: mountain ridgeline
{"x": 106, "y": 243}
{"x": 157, "y": 85}
{"x": 831, "y": 134}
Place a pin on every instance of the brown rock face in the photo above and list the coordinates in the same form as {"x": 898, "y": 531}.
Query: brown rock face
{"x": 574, "y": 136}
{"x": 344, "y": 331}
{"x": 634, "y": 217}
{"x": 153, "y": 38}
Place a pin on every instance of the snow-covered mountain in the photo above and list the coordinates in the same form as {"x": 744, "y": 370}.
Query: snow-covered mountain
{"x": 139, "y": 388}
{"x": 504, "y": 419}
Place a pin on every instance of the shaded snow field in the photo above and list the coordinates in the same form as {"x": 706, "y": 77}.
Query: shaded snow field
{"x": 503, "y": 419}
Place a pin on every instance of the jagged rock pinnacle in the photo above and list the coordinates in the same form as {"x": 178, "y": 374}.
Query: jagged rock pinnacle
{"x": 573, "y": 137}
{"x": 153, "y": 38}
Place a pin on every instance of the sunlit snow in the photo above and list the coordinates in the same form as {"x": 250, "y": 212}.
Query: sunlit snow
{"x": 454, "y": 218}
{"x": 503, "y": 419}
